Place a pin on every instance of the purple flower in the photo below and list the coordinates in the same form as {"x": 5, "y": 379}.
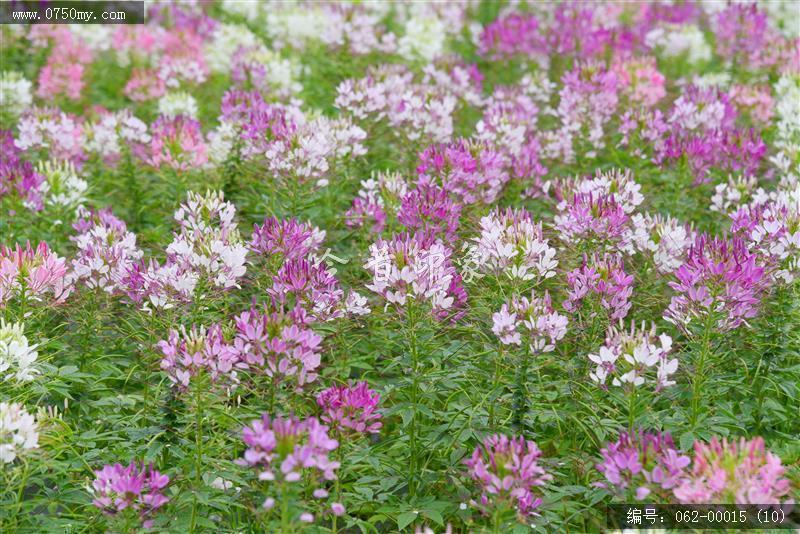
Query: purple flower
{"x": 721, "y": 278}
{"x": 429, "y": 208}
{"x": 508, "y": 474}
{"x": 605, "y": 277}
{"x": 18, "y": 176}
{"x": 470, "y": 171}
{"x": 416, "y": 267}
{"x": 514, "y": 34}
{"x": 136, "y": 487}
{"x": 644, "y": 463}
{"x": 311, "y": 285}
{"x": 351, "y": 408}
{"x": 288, "y": 238}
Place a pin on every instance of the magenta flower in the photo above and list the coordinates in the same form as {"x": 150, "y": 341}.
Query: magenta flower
{"x": 512, "y": 35}
{"x": 288, "y": 238}
{"x": 595, "y": 219}
{"x": 286, "y": 449}
{"x": 720, "y": 278}
{"x": 645, "y": 463}
{"x": 351, "y": 408}
{"x": 429, "y": 209}
{"x": 34, "y": 273}
{"x": 508, "y": 474}
{"x": 117, "y": 488}
{"x": 278, "y": 343}
{"x": 17, "y": 176}
{"x": 734, "y": 472}
{"x": 186, "y": 354}
{"x": 605, "y": 277}
{"x": 309, "y": 284}
{"x": 472, "y": 172}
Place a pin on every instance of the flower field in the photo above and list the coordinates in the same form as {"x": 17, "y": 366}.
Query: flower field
{"x": 378, "y": 267}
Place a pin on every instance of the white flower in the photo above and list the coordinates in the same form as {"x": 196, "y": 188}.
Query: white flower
{"x": 180, "y": 103}
{"x": 16, "y": 356}
{"x": 18, "y": 431}
{"x": 15, "y": 92}
{"x": 62, "y": 187}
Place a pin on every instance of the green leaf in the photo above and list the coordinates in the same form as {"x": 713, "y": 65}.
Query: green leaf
{"x": 405, "y": 519}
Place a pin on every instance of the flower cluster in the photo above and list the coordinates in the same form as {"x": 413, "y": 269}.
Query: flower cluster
{"x": 285, "y": 449}
{"x": 644, "y": 463}
{"x": 106, "y": 251}
{"x": 733, "y": 472}
{"x": 508, "y": 474}
{"x": 512, "y": 244}
{"x": 32, "y": 274}
{"x": 287, "y": 239}
{"x": 208, "y": 241}
{"x": 351, "y": 408}
{"x": 541, "y": 324}
{"x": 381, "y": 196}
{"x": 17, "y": 357}
{"x": 631, "y": 359}
{"x": 472, "y": 172}
{"x": 188, "y": 353}
{"x": 18, "y": 432}
{"x": 665, "y": 238}
{"x": 17, "y": 176}
{"x": 279, "y": 343}
{"x": 139, "y": 488}
{"x": 416, "y": 267}
{"x": 720, "y": 279}
{"x": 605, "y": 277}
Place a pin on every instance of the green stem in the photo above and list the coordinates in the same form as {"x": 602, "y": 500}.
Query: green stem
{"x": 198, "y": 445}
{"x": 284, "y": 509}
{"x": 412, "y": 431}
{"x": 520, "y": 401}
{"x": 698, "y": 377}
{"x": 631, "y": 409}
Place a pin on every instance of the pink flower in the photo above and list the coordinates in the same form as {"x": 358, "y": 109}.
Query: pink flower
{"x": 187, "y": 354}
{"x": 642, "y": 465}
{"x": 721, "y": 278}
{"x": 117, "y": 488}
{"x": 17, "y": 176}
{"x": 286, "y": 449}
{"x": 351, "y": 408}
{"x": 508, "y": 474}
{"x": 512, "y": 35}
{"x": 429, "y": 208}
{"x": 416, "y": 267}
{"x": 733, "y": 472}
{"x": 471, "y": 172}
{"x": 535, "y": 318}
{"x": 289, "y": 239}
{"x": 177, "y": 142}
{"x": 511, "y": 243}
{"x": 32, "y": 273}
{"x": 279, "y": 344}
